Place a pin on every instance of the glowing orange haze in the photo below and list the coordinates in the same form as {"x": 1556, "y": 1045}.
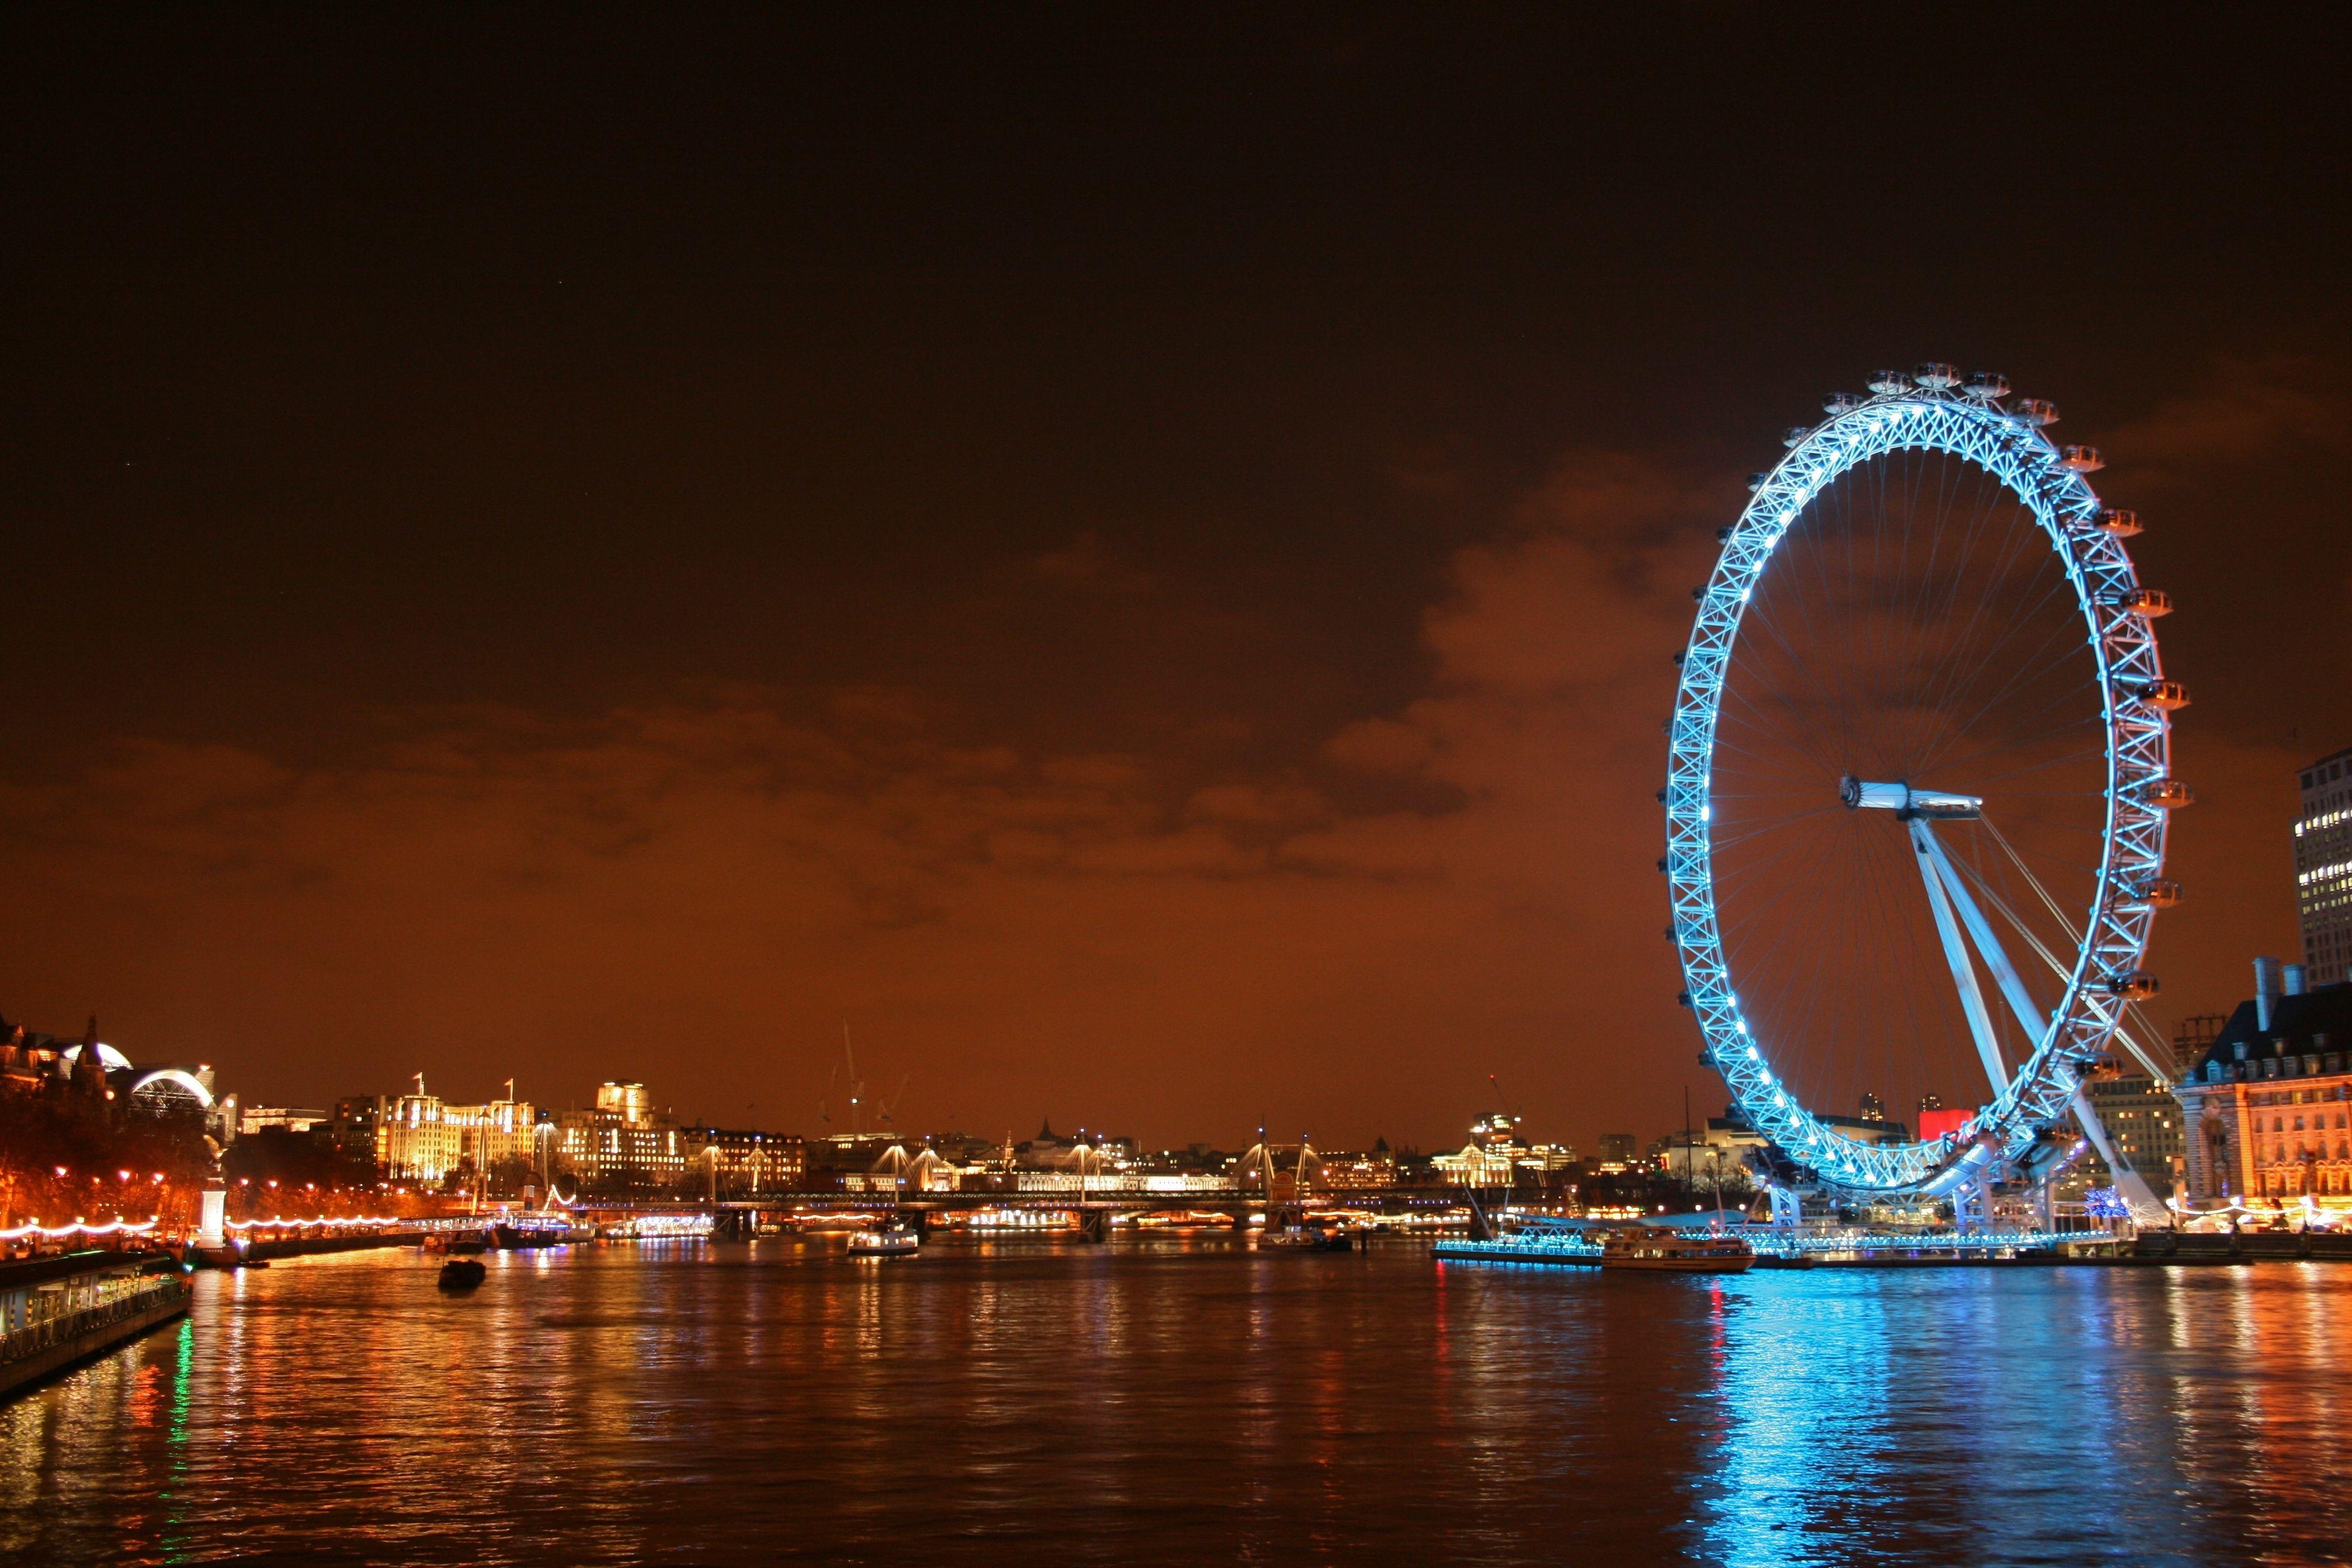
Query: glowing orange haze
{"x": 697, "y": 892}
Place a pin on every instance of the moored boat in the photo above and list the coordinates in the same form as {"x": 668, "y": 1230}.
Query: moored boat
{"x": 1657, "y": 1248}
{"x": 1308, "y": 1237}
{"x": 895, "y": 1241}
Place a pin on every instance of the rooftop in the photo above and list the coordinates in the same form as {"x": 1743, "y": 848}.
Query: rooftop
{"x": 2318, "y": 1020}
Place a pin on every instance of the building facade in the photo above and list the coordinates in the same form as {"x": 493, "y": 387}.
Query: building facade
{"x": 2267, "y": 1110}
{"x": 252, "y": 1119}
{"x": 2145, "y": 1123}
{"x": 741, "y": 1163}
{"x": 421, "y": 1138}
{"x": 1358, "y": 1170}
{"x": 2323, "y": 868}
{"x": 622, "y": 1145}
{"x": 1494, "y": 1157}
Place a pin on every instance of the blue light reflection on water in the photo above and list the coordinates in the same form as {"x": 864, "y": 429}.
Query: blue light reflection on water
{"x": 2032, "y": 1416}
{"x": 1194, "y": 1402}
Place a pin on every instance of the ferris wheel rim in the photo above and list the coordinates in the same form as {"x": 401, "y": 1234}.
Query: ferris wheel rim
{"x": 1973, "y": 426}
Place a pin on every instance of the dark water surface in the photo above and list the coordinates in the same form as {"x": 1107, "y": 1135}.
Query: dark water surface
{"x": 1042, "y": 1404}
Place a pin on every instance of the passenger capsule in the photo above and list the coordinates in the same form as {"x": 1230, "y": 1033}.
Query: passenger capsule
{"x": 1987, "y": 384}
{"x": 2168, "y": 695}
{"x": 1939, "y": 376}
{"x": 1756, "y": 482}
{"x": 2119, "y": 522}
{"x": 2081, "y": 459}
{"x": 1890, "y": 381}
{"x": 2156, "y": 893}
{"x": 2148, "y": 601}
{"x": 2166, "y": 795}
{"x": 2134, "y": 986}
{"x": 2034, "y": 411}
{"x": 1842, "y": 403}
{"x": 1797, "y": 435}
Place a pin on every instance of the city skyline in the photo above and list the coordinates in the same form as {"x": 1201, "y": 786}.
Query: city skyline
{"x": 1187, "y": 643}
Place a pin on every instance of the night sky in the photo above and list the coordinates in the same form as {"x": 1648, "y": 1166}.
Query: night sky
{"x": 1130, "y": 554}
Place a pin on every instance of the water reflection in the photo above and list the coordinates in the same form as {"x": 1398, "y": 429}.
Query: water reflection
{"x": 2030, "y": 1416}
{"x": 1190, "y": 1401}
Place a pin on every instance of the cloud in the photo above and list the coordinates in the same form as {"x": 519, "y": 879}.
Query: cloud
{"x": 2245, "y": 414}
{"x": 1087, "y": 565}
{"x": 695, "y": 892}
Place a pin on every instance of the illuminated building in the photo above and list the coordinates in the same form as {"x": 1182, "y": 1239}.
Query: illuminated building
{"x": 2323, "y": 867}
{"x": 2145, "y": 1123}
{"x": 1715, "y": 1152}
{"x": 252, "y": 1119}
{"x": 419, "y": 1138}
{"x": 1873, "y": 1108}
{"x": 1495, "y": 1157}
{"x": 2266, "y": 1106}
{"x": 621, "y": 1145}
{"x": 1618, "y": 1151}
{"x": 354, "y": 1124}
{"x": 1372, "y": 1170}
{"x": 743, "y": 1163}
{"x": 628, "y": 1101}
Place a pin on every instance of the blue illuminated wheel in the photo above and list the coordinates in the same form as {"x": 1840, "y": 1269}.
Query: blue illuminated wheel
{"x": 1921, "y": 727}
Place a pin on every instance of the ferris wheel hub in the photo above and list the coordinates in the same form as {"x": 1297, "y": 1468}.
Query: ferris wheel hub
{"x": 1906, "y": 803}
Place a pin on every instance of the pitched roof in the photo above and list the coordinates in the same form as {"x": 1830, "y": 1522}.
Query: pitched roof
{"x": 2318, "y": 1020}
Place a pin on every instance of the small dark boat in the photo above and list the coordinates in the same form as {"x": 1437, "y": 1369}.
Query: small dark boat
{"x": 1307, "y": 1238}
{"x": 462, "y": 1274}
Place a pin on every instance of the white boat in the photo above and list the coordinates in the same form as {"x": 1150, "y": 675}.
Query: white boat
{"x": 896, "y": 1241}
{"x": 1655, "y": 1247}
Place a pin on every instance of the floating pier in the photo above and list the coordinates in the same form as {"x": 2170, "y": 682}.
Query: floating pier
{"x": 56, "y": 1312}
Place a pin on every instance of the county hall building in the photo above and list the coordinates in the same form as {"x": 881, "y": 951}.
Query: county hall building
{"x": 2268, "y": 1107}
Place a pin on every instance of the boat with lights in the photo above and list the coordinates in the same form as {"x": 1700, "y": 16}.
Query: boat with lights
{"x": 893, "y": 1241}
{"x": 1654, "y": 1247}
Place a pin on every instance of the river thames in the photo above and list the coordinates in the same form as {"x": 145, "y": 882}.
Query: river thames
{"x": 1173, "y": 1401}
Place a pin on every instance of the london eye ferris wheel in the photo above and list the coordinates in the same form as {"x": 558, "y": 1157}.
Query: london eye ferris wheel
{"x": 1918, "y": 786}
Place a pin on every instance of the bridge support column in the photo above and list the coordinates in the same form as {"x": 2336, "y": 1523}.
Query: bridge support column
{"x": 1973, "y": 1200}
{"x": 1788, "y": 1209}
{"x": 211, "y": 1212}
